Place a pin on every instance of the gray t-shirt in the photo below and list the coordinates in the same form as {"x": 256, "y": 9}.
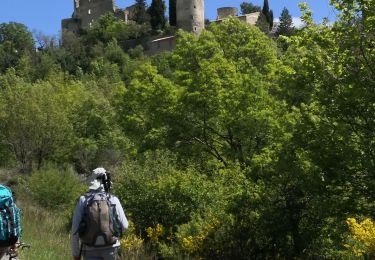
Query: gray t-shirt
{"x": 77, "y": 217}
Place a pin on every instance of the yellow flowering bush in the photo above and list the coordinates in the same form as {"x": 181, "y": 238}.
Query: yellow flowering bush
{"x": 193, "y": 244}
{"x": 361, "y": 240}
{"x": 154, "y": 234}
{"x": 131, "y": 243}
{"x": 193, "y": 239}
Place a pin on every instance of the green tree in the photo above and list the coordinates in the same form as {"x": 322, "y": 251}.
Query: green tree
{"x": 270, "y": 19}
{"x": 266, "y": 8}
{"x": 247, "y": 8}
{"x": 34, "y": 122}
{"x": 157, "y": 14}
{"x": 141, "y": 15}
{"x": 15, "y": 41}
{"x": 268, "y": 13}
{"x": 147, "y": 108}
{"x": 97, "y": 136}
{"x": 285, "y": 26}
{"x": 218, "y": 96}
{"x": 332, "y": 140}
{"x": 72, "y": 54}
{"x": 172, "y": 13}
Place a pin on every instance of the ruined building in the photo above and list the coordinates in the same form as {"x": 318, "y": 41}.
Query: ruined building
{"x": 226, "y": 12}
{"x": 190, "y": 14}
{"x": 190, "y": 17}
{"x": 86, "y": 12}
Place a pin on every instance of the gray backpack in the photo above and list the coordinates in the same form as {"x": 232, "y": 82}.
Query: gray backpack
{"x": 99, "y": 225}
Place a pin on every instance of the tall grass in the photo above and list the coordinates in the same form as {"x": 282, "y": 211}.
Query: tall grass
{"x": 45, "y": 231}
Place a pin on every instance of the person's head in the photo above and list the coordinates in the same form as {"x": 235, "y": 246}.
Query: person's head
{"x": 96, "y": 179}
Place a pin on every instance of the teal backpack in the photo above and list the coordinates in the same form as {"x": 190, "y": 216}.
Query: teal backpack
{"x": 10, "y": 224}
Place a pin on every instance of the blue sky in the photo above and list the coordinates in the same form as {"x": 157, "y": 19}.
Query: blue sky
{"x": 45, "y": 15}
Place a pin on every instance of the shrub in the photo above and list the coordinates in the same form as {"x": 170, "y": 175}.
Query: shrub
{"x": 361, "y": 240}
{"x": 178, "y": 212}
{"x": 156, "y": 192}
{"x": 54, "y": 188}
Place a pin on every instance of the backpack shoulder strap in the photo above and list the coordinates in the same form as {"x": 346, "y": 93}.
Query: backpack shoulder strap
{"x": 90, "y": 196}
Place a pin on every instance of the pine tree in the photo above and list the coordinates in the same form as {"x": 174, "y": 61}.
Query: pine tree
{"x": 267, "y": 14}
{"x": 141, "y": 15}
{"x": 286, "y": 24}
{"x": 172, "y": 13}
{"x": 247, "y": 8}
{"x": 270, "y": 19}
{"x": 157, "y": 14}
{"x": 266, "y": 9}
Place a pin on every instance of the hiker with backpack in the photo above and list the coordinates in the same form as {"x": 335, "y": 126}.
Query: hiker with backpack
{"x": 10, "y": 222}
{"x": 98, "y": 220}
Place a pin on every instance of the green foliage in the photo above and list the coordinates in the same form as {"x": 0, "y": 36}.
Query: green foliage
{"x": 35, "y": 125}
{"x": 15, "y": 41}
{"x": 156, "y": 192}
{"x": 248, "y": 8}
{"x": 149, "y": 125}
{"x": 227, "y": 110}
{"x": 136, "y": 53}
{"x": 172, "y": 13}
{"x": 104, "y": 30}
{"x": 98, "y": 139}
{"x": 266, "y": 8}
{"x": 164, "y": 64}
{"x": 268, "y": 13}
{"x": 285, "y": 26}
{"x": 266, "y": 151}
{"x": 157, "y": 14}
{"x": 270, "y": 19}
{"x": 141, "y": 15}
{"x": 54, "y": 188}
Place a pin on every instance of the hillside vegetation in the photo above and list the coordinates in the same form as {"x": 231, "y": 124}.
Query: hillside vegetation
{"x": 233, "y": 146}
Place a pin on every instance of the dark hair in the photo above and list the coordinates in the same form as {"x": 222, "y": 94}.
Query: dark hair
{"x": 105, "y": 179}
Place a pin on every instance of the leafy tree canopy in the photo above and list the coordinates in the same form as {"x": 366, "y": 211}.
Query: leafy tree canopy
{"x": 247, "y": 8}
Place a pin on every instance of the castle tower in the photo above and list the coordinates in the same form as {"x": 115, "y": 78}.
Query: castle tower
{"x": 224, "y": 12}
{"x": 88, "y": 11}
{"x": 190, "y": 15}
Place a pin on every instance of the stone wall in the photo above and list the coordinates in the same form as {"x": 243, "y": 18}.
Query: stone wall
{"x": 71, "y": 24}
{"x": 160, "y": 45}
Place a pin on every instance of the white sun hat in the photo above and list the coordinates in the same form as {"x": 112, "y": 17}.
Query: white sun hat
{"x": 94, "y": 182}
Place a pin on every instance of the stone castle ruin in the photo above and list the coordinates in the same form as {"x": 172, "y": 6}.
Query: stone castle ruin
{"x": 190, "y": 17}
{"x": 190, "y": 14}
{"x": 86, "y": 12}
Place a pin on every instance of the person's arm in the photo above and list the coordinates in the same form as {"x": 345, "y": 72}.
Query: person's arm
{"x": 77, "y": 217}
{"x": 121, "y": 214}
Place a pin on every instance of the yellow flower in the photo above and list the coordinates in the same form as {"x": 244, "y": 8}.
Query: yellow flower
{"x": 131, "y": 242}
{"x": 155, "y": 233}
{"x": 362, "y": 237}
